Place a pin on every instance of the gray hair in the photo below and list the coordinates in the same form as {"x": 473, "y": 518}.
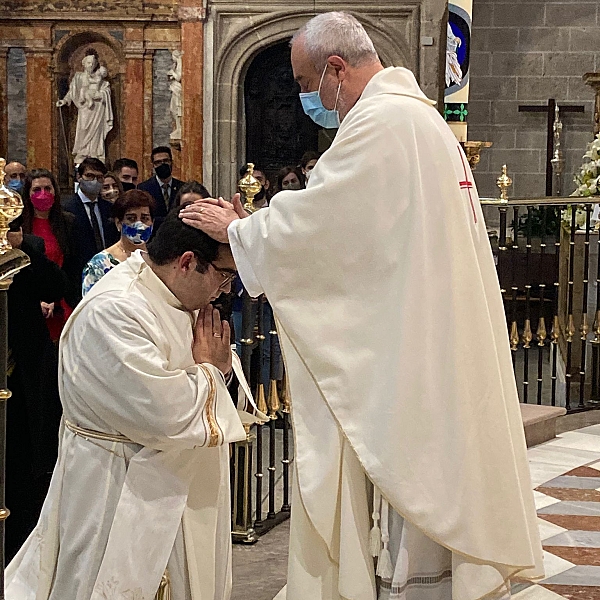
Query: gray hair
{"x": 339, "y": 34}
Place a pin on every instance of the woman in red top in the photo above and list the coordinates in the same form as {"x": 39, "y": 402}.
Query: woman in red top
{"x": 44, "y": 217}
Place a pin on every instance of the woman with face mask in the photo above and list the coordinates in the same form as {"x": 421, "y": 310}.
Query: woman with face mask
{"x": 290, "y": 178}
{"x": 133, "y": 213}
{"x": 111, "y": 188}
{"x": 44, "y": 217}
{"x": 307, "y": 163}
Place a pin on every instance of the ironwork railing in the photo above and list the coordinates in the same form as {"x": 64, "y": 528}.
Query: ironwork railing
{"x": 546, "y": 251}
{"x": 268, "y": 443}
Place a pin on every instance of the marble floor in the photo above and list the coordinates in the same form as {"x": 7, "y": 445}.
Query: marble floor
{"x": 566, "y": 479}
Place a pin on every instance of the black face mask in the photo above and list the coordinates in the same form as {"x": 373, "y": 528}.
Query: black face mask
{"x": 127, "y": 185}
{"x": 163, "y": 171}
{"x": 260, "y": 196}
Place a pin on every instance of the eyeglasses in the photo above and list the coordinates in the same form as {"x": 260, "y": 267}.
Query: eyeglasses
{"x": 227, "y": 275}
{"x": 91, "y": 177}
{"x": 164, "y": 161}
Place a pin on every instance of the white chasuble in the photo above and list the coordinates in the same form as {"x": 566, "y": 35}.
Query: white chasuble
{"x": 382, "y": 279}
{"x": 118, "y": 512}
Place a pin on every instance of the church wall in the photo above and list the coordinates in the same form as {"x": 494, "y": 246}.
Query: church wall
{"x": 161, "y": 99}
{"x": 17, "y": 105}
{"x": 405, "y": 33}
{"x": 526, "y": 53}
{"x": 41, "y": 46}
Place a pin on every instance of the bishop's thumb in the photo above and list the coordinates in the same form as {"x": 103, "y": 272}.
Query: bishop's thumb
{"x": 237, "y": 206}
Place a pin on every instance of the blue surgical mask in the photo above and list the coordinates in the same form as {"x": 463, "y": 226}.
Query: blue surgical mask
{"x": 16, "y": 185}
{"x": 313, "y": 107}
{"x": 138, "y": 233}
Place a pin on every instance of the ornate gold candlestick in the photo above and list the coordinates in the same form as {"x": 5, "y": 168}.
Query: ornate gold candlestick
{"x": 250, "y": 187}
{"x": 11, "y": 262}
{"x": 504, "y": 182}
{"x": 473, "y": 152}
{"x": 11, "y": 206}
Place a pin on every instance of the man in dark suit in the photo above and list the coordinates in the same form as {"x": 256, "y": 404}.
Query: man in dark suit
{"x": 96, "y": 228}
{"x": 162, "y": 186}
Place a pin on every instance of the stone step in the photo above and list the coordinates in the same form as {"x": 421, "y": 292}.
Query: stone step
{"x": 540, "y": 422}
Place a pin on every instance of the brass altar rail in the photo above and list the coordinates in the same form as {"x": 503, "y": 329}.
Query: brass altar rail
{"x": 261, "y": 361}
{"x": 544, "y": 201}
{"x": 546, "y": 252}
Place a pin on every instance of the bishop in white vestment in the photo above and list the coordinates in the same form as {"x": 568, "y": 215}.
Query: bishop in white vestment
{"x": 142, "y": 480}
{"x": 382, "y": 280}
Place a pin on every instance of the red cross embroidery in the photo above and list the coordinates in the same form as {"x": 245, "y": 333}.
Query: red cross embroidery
{"x": 466, "y": 184}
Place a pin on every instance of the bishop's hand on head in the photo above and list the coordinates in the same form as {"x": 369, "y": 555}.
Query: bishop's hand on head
{"x": 213, "y": 216}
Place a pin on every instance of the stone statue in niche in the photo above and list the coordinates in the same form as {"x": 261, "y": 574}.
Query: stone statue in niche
{"x": 174, "y": 76}
{"x": 90, "y": 92}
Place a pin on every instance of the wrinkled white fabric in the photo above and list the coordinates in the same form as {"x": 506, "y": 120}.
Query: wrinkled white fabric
{"x": 117, "y": 513}
{"x": 382, "y": 280}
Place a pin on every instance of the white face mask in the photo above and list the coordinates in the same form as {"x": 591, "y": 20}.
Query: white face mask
{"x": 111, "y": 194}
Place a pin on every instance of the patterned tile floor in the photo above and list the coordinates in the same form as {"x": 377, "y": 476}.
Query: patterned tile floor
{"x": 566, "y": 478}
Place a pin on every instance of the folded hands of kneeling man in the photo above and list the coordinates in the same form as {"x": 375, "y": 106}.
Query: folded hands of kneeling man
{"x": 212, "y": 342}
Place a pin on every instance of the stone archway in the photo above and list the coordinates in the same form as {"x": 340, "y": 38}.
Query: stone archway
{"x": 236, "y": 34}
{"x": 68, "y": 54}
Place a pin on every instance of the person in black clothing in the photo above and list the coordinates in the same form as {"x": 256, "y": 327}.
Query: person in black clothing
{"x": 162, "y": 186}
{"x": 126, "y": 169}
{"x": 34, "y": 410}
{"x": 96, "y": 229}
{"x": 44, "y": 217}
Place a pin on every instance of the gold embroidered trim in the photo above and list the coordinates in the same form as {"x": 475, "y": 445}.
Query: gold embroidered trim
{"x": 210, "y": 416}
{"x": 96, "y": 435}
{"x": 164, "y": 590}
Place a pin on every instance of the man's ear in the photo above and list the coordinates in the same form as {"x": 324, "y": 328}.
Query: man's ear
{"x": 339, "y": 64}
{"x": 185, "y": 262}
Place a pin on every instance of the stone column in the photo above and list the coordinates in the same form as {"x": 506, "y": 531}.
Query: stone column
{"x": 192, "y": 16}
{"x": 133, "y": 103}
{"x": 148, "y": 115}
{"x": 593, "y": 80}
{"x": 40, "y": 109}
{"x": 4, "y": 103}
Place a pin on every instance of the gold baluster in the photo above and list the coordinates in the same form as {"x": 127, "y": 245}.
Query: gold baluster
{"x": 286, "y": 399}
{"x": 555, "y": 330}
{"x": 585, "y": 327}
{"x": 274, "y": 404}
{"x": 261, "y": 401}
{"x": 596, "y": 328}
{"x": 570, "y": 332}
{"x": 541, "y": 332}
{"x": 527, "y": 334}
{"x": 514, "y": 336}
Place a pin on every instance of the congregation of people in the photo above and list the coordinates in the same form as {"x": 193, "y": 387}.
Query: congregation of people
{"x": 73, "y": 242}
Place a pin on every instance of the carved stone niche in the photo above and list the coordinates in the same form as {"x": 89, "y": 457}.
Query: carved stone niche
{"x": 68, "y": 55}
{"x": 84, "y": 9}
{"x": 237, "y": 31}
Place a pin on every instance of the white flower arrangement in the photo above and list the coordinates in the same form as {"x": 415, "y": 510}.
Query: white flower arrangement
{"x": 588, "y": 184}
